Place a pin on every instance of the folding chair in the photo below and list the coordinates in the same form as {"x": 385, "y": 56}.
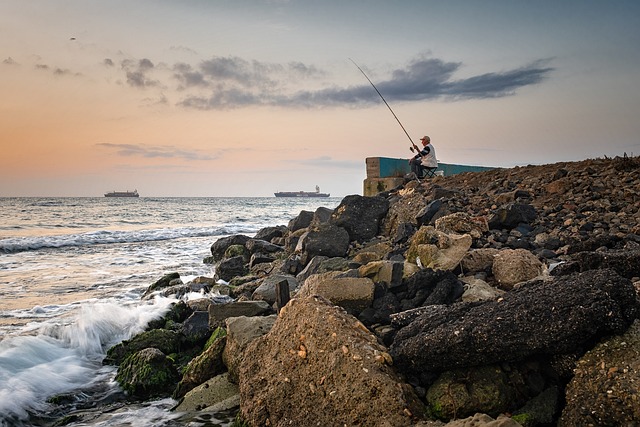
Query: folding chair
{"x": 427, "y": 172}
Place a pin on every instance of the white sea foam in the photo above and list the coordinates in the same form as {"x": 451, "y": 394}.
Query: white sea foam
{"x": 105, "y": 237}
{"x": 62, "y": 358}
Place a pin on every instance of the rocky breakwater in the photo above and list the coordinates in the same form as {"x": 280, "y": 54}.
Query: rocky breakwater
{"x": 507, "y": 297}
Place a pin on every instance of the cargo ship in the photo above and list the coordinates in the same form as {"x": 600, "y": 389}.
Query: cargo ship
{"x": 133, "y": 193}
{"x": 316, "y": 193}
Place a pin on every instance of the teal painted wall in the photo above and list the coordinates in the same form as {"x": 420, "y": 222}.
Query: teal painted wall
{"x": 386, "y": 167}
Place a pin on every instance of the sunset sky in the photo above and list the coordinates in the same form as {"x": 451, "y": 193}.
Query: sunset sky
{"x": 248, "y": 97}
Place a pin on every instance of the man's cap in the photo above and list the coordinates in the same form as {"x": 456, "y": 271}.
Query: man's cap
{"x": 425, "y": 137}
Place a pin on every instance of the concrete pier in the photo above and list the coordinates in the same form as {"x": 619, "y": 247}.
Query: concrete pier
{"x": 385, "y": 173}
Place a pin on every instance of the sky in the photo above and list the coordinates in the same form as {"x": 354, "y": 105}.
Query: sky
{"x": 224, "y": 98}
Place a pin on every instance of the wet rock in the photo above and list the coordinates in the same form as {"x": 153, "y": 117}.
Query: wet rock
{"x": 161, "y": 283}
{"x": 214, "y": 395}
{"x": 195, "y": 328}
{"x": 165, "y": 340}
{"x": 147, "y": 373}
{"x": 229, "y": 268}
{"x": 204, "y": 366}
{"x": 219, "y": 247}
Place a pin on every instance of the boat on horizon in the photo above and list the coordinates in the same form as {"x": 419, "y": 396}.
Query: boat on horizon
{"x": 316, "y": 193}
{"x": 133, "y": 193}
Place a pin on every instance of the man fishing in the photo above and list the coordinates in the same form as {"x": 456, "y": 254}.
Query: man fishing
{"x": 422, "y": 164}
{"x": 425, "y": 160}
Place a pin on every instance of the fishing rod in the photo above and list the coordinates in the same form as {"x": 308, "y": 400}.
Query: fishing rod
{"x": 389, "y": 107}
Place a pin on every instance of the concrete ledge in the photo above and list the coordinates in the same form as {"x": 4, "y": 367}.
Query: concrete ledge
{"x": 373, "y": 186}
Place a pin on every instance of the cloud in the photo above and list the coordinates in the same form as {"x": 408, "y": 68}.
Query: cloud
{"x": 9, "y": 61}
{"x": 222, "y": 83}
{"x": 234, "y": 82}
{"x": 149, "y": 151}
{"x": 137, "y": 73}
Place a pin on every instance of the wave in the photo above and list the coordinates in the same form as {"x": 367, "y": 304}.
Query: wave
{"x": 66, "y": 358}
{"x": 107, "y": 237}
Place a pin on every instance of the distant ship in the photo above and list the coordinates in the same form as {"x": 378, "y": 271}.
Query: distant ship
{"x": 133, "y": 193}
{"x": 316, "y": 193}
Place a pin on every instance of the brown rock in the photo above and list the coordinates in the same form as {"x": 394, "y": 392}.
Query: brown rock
{"x": 327, "y": 367}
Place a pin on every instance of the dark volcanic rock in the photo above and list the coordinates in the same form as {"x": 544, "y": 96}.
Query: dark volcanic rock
{"x": 360, "y": 216}
{"x": 625, "y": 263}
{"x": 511, "y": 215}
{"x": 147, "y": 373}
{"x": 303, "y": 220}
{"x": 327, "y": 240}
{"x": 539, "y": 318}
{"x": 269, "y": 233}
{"x": 229, "y": 268}
{"x": 219, "y": 247}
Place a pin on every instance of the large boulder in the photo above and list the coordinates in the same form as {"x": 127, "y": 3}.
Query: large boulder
{"x": 604, "y": 389}
{"x": 327, "y": 368}
{"x": 165, "y": 340}
{"x": 354, "y": 294}
{"x": 219, "y": 247}
{"x": 270, "y": 233}
{"x": 241, "y": 331}
{"x": 513, "y": 266}
{"x": 437, "y": 250}
{"x": 325, "y": 240}
{"x": 165, "y": 281}
{"x": 214, "y": 395}
{"x": 204, "y": 366}
{"x": 262, "y": 246}
{"x": 462, "y": 223}
{"x": 147, "y": 373}
{"x": 511, "y": 215}
{"x": 218, "y": 313}
{"x": 303, "y": 220}
{"x": 360, "y": 216}
{"x": 232, "y": 267}
{"x": 553, "y": 317}
{"x": 267, "y": 289}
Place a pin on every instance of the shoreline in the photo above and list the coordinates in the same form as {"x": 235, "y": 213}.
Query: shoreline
{"x": 405, "y": 261}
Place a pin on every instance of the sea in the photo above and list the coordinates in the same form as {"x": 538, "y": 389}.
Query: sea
{"x": 72, "y": 272}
